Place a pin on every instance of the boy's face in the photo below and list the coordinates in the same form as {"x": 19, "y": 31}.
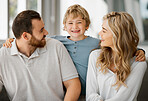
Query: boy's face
{"x": 75, "y": 27}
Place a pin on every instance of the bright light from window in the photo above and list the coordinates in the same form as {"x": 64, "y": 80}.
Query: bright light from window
{"x": 96, "y": 9}
{"x": 3, "y": 19}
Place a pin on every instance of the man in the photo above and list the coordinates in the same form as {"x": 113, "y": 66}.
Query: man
{"x": 35, "y": 68}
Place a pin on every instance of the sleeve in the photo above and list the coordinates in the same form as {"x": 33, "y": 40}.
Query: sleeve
{"x": 68, "y": 69}
{"x": 133, "y": 83}
{"x": 1, "y": 81}
{"x": 1, "y": 84}
{"x": 92, "y": 87}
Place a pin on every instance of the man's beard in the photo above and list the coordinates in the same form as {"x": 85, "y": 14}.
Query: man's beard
{"x": 37, "y": 43}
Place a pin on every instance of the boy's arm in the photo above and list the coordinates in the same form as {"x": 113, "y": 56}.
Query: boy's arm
{"x": 8, "y": 43}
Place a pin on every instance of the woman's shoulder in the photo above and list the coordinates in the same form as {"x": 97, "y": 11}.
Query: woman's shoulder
{"x": 95, "y": 53}
{"x": 139, "y": 65}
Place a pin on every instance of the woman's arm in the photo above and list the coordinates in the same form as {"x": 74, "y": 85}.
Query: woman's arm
{"x": 133, "y": 83}
{"x": 92, "y": 87}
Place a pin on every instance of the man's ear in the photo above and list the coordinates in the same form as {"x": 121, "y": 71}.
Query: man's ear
{"x": 26, "y": 36}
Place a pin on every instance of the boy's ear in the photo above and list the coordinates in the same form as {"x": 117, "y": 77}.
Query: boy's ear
{"x": 26, "y": 36}
{"x": 64, "y": 28}
{"x": 87, "y": 28}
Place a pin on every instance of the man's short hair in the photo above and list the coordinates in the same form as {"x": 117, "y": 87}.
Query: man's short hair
{"x": 23, "y": 22}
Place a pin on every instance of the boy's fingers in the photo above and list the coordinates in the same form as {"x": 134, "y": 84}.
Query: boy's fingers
{"x": 140, "y": 58}
{"x": 137, "y": 53}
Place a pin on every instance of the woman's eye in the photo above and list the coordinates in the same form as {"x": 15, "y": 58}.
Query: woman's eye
{"x": 69, "y": 23}
{"x": 103, "y": 31}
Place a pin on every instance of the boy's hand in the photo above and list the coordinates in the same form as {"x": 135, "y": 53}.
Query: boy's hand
{"x": 8, "y": 42}
{"x": 140, "y": 56}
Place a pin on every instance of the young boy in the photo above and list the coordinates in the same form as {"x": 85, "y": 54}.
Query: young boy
{"x": 76, "y": 21}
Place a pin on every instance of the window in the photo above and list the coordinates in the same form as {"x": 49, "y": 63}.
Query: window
{"x": 3, "y": 19}
{"x": 16, "y": 6}
{"x": 144, "y": 14}
{"x": 9, "y": 9}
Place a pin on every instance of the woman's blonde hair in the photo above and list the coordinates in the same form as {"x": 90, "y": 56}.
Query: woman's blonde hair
{"x": 125, "y": 41}
{"x": 75, "y": 11}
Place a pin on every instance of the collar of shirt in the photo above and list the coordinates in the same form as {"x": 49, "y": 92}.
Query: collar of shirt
{"x": 37, "y": 52}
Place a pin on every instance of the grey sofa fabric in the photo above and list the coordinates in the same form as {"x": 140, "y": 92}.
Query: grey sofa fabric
{"x": 143, "y": 94}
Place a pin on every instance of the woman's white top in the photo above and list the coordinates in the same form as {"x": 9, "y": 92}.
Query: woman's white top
{"x": 99, "y": 86}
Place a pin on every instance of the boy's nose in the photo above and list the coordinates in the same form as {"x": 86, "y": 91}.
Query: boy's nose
{"x": 74, "y": 25}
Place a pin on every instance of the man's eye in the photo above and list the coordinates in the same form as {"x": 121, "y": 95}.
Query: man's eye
{"x": 42, "y": 30}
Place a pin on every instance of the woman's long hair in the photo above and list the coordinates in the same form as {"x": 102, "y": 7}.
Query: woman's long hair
{"x": 125, "y": 41}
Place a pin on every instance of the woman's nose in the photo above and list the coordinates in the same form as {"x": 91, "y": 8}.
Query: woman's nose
{"x": 99, "y": 33}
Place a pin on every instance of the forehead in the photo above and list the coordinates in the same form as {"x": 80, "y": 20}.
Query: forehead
{"x": 72, "y": 17}
{"x": 36, "y": 23}
{"x": 105, "y": 23}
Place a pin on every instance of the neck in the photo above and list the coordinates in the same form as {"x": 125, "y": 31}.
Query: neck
{"x": 24, "y": 48}
{"x": 77, "y": 39}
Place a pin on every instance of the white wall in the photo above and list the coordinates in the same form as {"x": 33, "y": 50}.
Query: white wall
{"x": 96, "y": 9}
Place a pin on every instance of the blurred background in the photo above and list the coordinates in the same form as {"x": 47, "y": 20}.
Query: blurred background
{"x": 52, "y": 12}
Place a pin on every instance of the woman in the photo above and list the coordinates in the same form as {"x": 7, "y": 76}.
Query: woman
{"x": 113, "y": 74}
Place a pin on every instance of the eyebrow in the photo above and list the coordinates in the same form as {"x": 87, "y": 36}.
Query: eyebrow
{"x": 76, "y": 20}
{"x": 80, "y": 20}
{"x": 104, "y": 28}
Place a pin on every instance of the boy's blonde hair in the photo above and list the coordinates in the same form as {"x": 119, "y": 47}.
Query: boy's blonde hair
{"x": 75, "y": 11}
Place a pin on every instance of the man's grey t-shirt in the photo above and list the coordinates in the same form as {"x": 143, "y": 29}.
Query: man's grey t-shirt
{"x": 38, "y": 77}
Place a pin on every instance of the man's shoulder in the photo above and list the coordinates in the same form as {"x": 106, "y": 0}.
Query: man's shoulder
{"x": 53, "y": 43}
{"x": 4, "y": 51}
{"x": 58, "y": 37}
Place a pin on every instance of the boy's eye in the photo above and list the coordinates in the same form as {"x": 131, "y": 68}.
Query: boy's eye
{"x": 70, "y": 23}
{"x": 79, "y": 22}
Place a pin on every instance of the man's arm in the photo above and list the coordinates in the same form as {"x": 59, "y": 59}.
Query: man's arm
{"x": 73, "y": 89}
